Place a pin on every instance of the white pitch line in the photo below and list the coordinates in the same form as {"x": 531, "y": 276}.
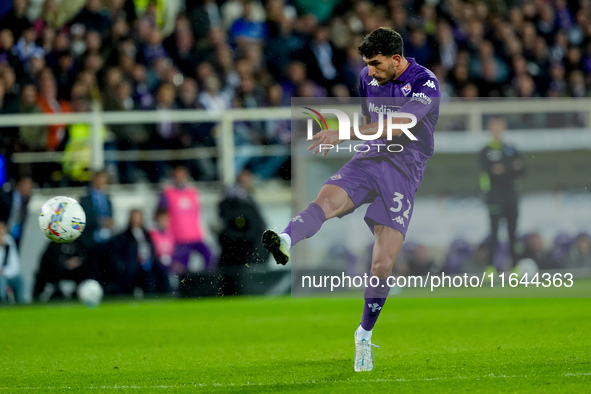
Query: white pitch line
{"x": 377, "y": 380}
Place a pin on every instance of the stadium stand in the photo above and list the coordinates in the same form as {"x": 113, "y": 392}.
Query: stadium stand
{"x": 140, "y": 54}
{"x": 62, "y": 56}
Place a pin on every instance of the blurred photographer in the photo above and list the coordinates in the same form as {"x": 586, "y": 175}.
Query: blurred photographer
{"x": 60, "y": 262}
{"x": 241, "y": 225}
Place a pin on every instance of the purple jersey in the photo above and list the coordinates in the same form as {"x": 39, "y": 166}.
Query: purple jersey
{"x": 415, "y": 91}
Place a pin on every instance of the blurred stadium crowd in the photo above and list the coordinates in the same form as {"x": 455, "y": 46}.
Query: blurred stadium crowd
{"x": 60, "y": 56}
{"x": 151, "y": 255}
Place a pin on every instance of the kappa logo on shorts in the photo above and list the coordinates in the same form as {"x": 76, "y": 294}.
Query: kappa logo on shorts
{"x": 399, "y": 220}
{"x": 336, "y": 177}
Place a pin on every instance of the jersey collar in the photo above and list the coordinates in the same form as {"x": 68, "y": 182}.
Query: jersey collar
{"x": 406, "y": 74}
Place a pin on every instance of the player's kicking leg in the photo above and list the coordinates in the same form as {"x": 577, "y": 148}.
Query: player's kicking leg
{"x": 331, "y": 201}
{"x": 388, "y": 242}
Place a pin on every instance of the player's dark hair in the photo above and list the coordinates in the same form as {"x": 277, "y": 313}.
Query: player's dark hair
{"x": 381, "y": 41}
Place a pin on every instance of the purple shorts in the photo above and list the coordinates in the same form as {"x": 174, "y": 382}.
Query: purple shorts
{"x": 380, "y": 184}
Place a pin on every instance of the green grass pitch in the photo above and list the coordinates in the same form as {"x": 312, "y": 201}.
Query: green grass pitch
{"x": 305, "y": 345}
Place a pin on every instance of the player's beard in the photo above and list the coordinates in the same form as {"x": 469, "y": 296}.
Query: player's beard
{"x": 390, "y": 73}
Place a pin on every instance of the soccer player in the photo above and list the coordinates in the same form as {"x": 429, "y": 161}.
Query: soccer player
{"x": 385, "y": 180}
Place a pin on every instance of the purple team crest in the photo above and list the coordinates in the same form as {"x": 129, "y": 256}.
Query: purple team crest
{"x": 406, "y": 89}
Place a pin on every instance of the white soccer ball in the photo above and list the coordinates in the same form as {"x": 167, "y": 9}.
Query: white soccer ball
{"x": 90, "y": 293}
{"x": 526, "y": 267}
{"x": 62, "y": 219}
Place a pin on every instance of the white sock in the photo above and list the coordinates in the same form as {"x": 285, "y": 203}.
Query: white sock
{"x": 287, "y": 238}
{"x": 362, "y": 334}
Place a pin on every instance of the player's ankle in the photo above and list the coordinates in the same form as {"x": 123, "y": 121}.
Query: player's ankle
{"x": 362, "y": 333}
{"x": 287, "y": 238}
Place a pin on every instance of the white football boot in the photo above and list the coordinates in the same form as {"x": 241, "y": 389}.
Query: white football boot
{"x": 363, "y": 355}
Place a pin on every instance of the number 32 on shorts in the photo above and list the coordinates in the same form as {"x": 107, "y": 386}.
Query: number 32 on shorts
{"x": 398, "y": 197}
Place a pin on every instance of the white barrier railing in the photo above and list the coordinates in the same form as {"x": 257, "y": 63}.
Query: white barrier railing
{"x": 226, "y": 149}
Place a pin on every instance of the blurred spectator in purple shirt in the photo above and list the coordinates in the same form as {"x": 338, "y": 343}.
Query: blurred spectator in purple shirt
{"x": 154, "y": 48}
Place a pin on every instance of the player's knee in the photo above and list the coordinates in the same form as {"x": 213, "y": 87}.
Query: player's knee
{"x": 334, "y": 201}
{"x": 381, "y": 268}
{"x": 330, "y": 207}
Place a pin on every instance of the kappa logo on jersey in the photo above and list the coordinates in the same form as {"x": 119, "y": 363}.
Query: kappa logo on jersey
{"x": 406, "y": 89}
{"x": 374, "y": 307}
{"x": 399, "y": 220}
{"x": 373, "y": 83}
{"x": 430, "y": 84}
{"x": 297, "y": 218}
{"x": 336, "y": 177}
